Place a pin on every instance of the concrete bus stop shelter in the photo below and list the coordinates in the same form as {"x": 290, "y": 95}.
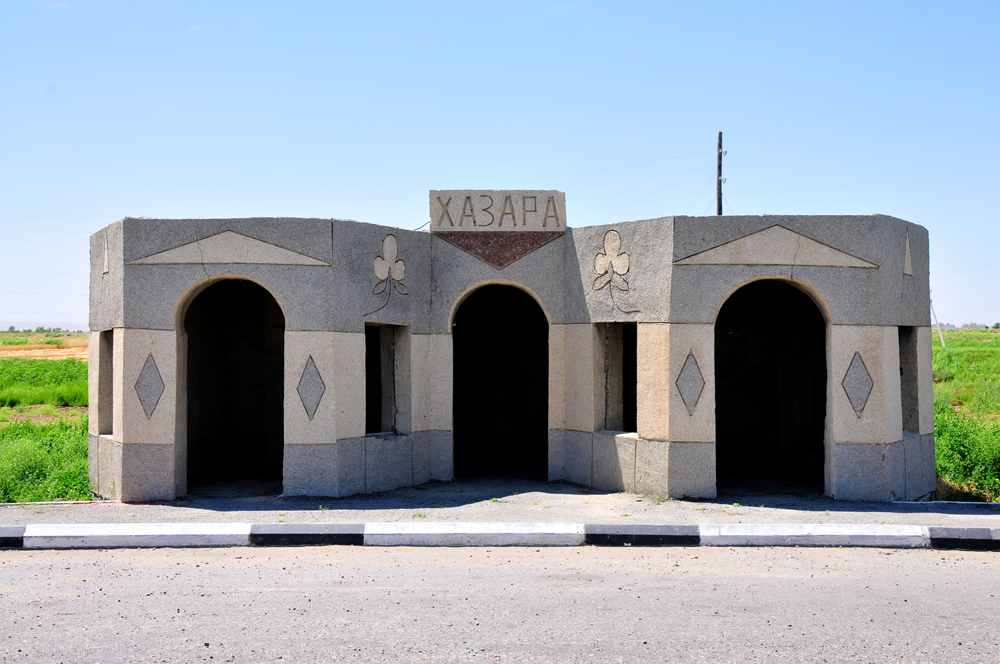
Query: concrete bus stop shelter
{"x": 658, "y": 356}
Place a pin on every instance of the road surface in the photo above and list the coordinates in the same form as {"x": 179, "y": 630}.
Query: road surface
{"x": 366, "y": 604}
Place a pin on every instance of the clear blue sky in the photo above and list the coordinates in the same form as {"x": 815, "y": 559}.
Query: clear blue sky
{"x": 355, "y": 110}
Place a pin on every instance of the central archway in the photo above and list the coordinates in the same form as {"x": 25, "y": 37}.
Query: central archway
{"x": 770, "y": 372}
{"x": 501, "y": 376}
{"x": 235, "y": 390}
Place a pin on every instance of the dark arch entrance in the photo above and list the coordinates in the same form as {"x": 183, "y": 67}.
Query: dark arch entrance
{"x": 501, "y": 342}
{"x": 235, "y": 376}
{"x": 770, "y": 375}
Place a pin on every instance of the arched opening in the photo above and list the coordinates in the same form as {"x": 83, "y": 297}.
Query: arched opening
{"x": 501, "y": 373}
{"x": 770, "y": 390}
{"x": 235, "y": 389}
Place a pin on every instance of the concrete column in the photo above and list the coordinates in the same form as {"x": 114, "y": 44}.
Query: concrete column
{"x": 136, "y": 462}
{"x": 431, "y": 385}
{"x": 866, "y": 456}
{"x": 675, "y": 451}
{"x": 576, "y": 400}
{"x": 311, "y": 461}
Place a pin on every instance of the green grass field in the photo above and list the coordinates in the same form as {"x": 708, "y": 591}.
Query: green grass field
{"x": 42, "y": 460}
{"x": 967, "y": 414}
{"x": 54, "y": 382}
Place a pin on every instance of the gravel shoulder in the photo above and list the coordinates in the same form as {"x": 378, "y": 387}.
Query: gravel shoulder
{"x": 511, "y": 501}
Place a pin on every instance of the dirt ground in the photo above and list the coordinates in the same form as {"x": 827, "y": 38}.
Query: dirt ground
{"x": 41, "y": 414}
{"x": 74, "y": 346}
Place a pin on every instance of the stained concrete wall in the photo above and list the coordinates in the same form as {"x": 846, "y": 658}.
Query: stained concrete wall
{"x": 666, "y": 274}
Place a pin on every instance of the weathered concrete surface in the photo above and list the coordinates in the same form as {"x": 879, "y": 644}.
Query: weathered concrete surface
{"x": 306, "y": 604}
{"x": 867, "y": 274}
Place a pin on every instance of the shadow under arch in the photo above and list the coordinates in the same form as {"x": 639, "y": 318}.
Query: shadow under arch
{"x": 501, "y": 376}
{"x": 231, "y": 356}
{"x": 771, "y": 388}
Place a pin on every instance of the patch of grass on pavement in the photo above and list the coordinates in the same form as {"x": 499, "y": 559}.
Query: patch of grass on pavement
{"x": 55, "y": 382}
{"x": 44, "y": 461}
{"x": 967, "y": 414}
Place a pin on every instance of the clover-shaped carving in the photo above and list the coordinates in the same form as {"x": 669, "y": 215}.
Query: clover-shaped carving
{"x": 611, "y": 266}
{"x": 388, "y": 269}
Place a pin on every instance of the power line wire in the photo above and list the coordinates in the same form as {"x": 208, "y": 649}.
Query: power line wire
{"x": 945, "y": 290}
{"x": 971, "y": 269}
{"x": 377, "y": 198}
{"x": 727, "y": 203}
{"x": 50, "y": 294}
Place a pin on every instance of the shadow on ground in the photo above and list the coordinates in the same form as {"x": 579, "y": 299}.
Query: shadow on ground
{"x": 252, "y": 497}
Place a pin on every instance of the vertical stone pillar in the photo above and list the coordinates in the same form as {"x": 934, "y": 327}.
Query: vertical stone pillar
{"x": 675, "y": 451}
{"x": 135, "y": 460}
{"x": 864, "y": 414}
{"x": 918, "y": 451}
{"x": 311, "y": 464}
{"x": 576, "y": 400}
{"x": 431, "y": 384}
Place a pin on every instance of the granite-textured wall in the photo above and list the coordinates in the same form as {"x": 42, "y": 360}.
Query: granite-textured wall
{"x": 867, "y": 274}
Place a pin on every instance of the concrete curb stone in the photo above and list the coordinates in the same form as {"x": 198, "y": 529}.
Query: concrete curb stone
{"x": 461, "y": 534}
{"x": 981, "y": 539}
{"x": 307, "y": 534}
{"x": 604, "y": 534}
{"x": 135, "y": 535}
{"x": 474, "y": 534}
{"x": 854, "y": 535}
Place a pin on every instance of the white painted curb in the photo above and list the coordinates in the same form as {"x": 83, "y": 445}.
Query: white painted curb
{"x": 474, "y": 534}
{"x": 126, "y": 535}
{"x": 899, "y": 537}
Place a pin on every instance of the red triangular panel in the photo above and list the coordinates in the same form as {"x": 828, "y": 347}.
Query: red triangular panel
{"x": 499, "y": 249}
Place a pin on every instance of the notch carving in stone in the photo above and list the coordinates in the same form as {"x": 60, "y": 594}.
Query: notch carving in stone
{"x": 611, "y": 266}
{"x": 228, "y": 247}
{"x": 857, "y": 384}
{"x": 389, "y": 272}
{"x": 310, "y": 388}
{"x": 775, "y": 245}
{"x": 498, "y": 211}
{"x": 690, "y": 383}
{"x": 149, "y": 386}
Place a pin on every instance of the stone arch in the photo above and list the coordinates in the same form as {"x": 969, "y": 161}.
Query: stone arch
{"x": 496, "y": 282}
{"x": 771, "y": 367}
{"x": 500, "y": 417}
{"x": 230, "y": 425}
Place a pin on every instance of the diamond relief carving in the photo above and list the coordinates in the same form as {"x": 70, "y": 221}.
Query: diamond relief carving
{"x": 858, "y": 384}
{"x": 690, "y": 383}
{"x": 149, "y": 386}
{"x": 311, "y": 388}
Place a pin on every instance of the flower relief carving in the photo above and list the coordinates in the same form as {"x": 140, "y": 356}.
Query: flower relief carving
{"x": 389, "y": 272}
{"x": 611, "y": 266}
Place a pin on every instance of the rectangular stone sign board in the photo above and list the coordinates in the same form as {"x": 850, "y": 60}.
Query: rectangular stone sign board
{"x": 492, "y": 210}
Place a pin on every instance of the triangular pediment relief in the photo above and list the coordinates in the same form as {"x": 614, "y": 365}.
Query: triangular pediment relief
{"x": 775, "y": 245}
{"x": 228, "y": 247}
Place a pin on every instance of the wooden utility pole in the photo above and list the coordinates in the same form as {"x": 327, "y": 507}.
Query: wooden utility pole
{"x": 718, "y": 181}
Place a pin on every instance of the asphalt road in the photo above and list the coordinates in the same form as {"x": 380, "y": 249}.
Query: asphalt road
{"x": 324, "y": 604}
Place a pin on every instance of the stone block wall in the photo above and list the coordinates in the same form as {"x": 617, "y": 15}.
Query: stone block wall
{"x": 669, "y": 276}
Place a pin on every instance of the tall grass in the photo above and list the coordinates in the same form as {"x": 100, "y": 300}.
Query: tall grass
{"x": 967, "y": 412}
{"x": 55, "y": 382}
{"x": 44, "y": 461}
